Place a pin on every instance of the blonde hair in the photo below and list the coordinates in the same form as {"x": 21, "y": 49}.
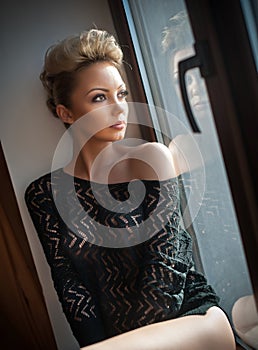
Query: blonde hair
{"x": 66, "y": 58}
{"x": 177, "y": 34}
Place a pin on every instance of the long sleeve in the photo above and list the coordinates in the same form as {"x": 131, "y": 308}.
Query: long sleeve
{"x": 167, "y": 273}
{"x": 78, "y": 300}
{"x": 164, "y": 273}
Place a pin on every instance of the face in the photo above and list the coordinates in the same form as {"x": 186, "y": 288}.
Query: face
{"x": 99, "y": 97}
{"x": 195, "y": 85}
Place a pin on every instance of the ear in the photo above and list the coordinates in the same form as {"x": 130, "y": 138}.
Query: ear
{"x": 64, "y": 114}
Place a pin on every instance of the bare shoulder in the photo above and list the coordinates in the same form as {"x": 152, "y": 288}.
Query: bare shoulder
{"x": 152, "y": 160}
{"x": 155, "y": 152}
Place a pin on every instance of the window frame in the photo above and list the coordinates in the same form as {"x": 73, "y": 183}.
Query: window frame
{"x": 235, "y": 112}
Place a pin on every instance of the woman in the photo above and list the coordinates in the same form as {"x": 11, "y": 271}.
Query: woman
{"x": 122, "y": 283}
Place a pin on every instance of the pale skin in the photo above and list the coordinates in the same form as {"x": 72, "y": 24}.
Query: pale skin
{"x": 245, "y": 319}
{"x": 183, "y": 147}
{"x": 211, "y": 331}
{"x": 100, "y": 86}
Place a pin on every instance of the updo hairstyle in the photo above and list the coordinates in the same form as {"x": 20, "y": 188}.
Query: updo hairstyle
{"x": 66, "y": 58}
{"x": 177, "y": 34}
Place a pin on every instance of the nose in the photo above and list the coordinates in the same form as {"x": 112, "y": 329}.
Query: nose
{"x": 119, "y": 108}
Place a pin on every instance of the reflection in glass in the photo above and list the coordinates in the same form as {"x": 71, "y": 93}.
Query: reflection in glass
{"x": 165, "y": 39}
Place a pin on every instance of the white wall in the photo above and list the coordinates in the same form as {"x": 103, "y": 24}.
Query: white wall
{"x": 29, "y": 133}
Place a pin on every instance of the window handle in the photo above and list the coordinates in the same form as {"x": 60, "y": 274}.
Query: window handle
{"x": 201, "y": 59}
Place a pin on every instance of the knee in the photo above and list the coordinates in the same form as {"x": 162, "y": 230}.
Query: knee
{"x": 245, "y": 320}
{"x": 218, "y": 330}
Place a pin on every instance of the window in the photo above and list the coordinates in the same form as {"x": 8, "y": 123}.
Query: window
{"x": 211, "y": 216}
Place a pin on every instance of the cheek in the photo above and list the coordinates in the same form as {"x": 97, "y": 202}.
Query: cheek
{"x": 178, "y": 93}
{"x": 95, "y": 120}
{"x": 124, "y": 112}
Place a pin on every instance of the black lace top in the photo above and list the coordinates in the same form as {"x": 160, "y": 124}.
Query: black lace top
{"x": 118, "y": 256}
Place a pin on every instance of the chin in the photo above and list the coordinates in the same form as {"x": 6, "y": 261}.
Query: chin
{"x": 202, "y": 111}
{"x": 118, "y": 138}
{"x": 118, "y": 135}
{"x": 107, "y": 136}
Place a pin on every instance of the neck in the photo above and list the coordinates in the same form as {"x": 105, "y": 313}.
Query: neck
{"x": 84, "y": 157}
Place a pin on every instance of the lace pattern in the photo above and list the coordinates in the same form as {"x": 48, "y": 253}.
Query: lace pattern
{"x": 105, "y": 291}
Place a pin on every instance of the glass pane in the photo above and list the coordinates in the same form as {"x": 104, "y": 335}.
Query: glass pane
{"x": 250, "y": 11}
{"x": 164, "y": 34}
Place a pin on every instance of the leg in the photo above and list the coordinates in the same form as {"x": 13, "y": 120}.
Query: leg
{"x": 245, "y": 320}
{"x": 198, "y": 332}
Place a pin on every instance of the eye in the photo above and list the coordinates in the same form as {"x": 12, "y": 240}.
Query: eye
{"x": 189, "y": 79}
{"x": 99, "y": 98}
{"x": 123, "y": 94}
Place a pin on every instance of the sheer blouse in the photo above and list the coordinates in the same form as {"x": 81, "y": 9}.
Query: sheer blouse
{"x": 119, "y": 256}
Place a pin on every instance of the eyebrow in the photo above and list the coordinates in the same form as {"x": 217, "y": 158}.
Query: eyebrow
{"x": 103, "y": 89}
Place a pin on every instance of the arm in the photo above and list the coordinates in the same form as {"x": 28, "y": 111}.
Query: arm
{"x": 202, "y": 332}
{"x": 78, "y": 302}
{"x": 167, "y": 279}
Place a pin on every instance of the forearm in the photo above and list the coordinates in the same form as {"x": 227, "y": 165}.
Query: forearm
{"x": 211, "y": 331}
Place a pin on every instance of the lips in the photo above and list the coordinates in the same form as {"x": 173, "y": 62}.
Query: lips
{"x": 199, "y": 103}
{"x": 119, "y": 125}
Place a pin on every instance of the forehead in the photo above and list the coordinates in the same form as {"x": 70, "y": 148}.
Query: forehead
{"x": 99, "y": 74}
